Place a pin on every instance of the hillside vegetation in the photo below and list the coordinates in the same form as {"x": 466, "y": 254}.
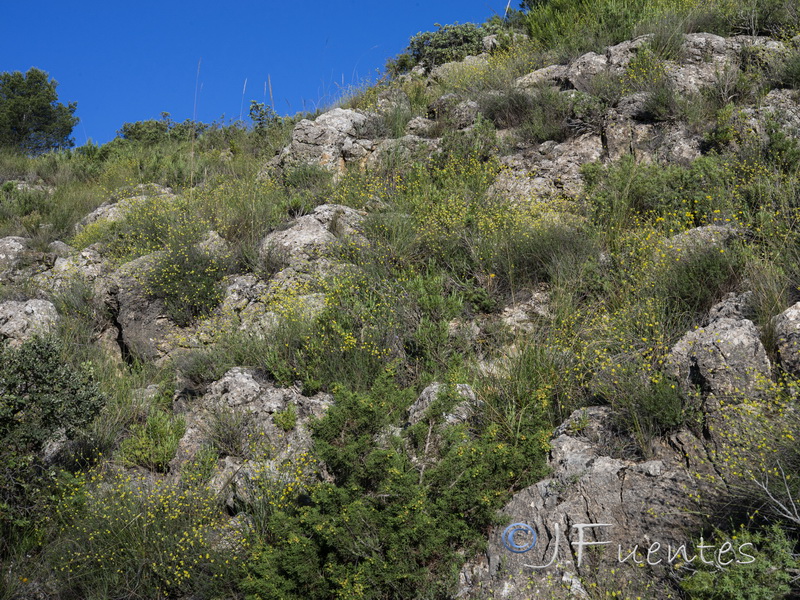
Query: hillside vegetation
{"x": 332, "y": 356}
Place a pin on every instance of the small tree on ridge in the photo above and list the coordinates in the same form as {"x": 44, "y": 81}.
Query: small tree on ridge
{"x": 31, "y": 118}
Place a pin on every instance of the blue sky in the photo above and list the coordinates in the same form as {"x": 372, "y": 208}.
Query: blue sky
{"x": 129, "y": 61}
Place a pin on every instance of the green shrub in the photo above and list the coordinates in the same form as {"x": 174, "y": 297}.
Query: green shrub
{"x": 152, "y": 445}
{"x": 646, "y": 405}
{"x": 478, "y": 143}
{"x": 387, "y": 527}
{"x": 286, "y": 419}
{"x": 188, "y": 280}
{"x": 123, "y": 536}
{"x": 766, "y": 578}
{"x": 432, "y": 48}
{"x": 789, "y": 71}
{"x": 701, "y": 278}
{"x": 508, "y": 109}
{"x": 228, "y": 431}
{"x": 546, "y": 120}
{"x": 42, "y": 398}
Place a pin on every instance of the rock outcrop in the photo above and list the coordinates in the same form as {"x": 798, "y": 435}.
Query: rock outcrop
{"x": 145, "y": 331}
{"x": 309, "y": 236}
{"x": 333, "y": 140}
{"x": 19, "y": 321}
{"x": 787, "y": 333}
{"x": 724, "y": 360}
{"x": 237, "y": 416}
{"x": 629, "y": 513}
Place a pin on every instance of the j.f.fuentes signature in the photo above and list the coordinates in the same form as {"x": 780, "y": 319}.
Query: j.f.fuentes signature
{"x": 721, "y": 557}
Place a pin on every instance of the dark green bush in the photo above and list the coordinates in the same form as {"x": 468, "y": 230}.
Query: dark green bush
{"x": 42, "y": 398}
{"x": 693, "y": 284}
{"x": 788, "y": 74}
{"x": 507, "y": 109}
{"x": 432, "y": 48}
{"x": 387, "y": 527}
{"x": 766, "y": 578}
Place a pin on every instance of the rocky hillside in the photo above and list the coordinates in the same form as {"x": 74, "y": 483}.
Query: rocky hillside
{"x": 341, "y": 361}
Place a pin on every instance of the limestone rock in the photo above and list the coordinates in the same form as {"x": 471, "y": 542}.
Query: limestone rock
{"x": 552, "y": 75}
{"x": 420, "y": 126}
{"x": 626, "y": 505}
{"x": 244, "y": 398}
{"x": 787, "y": 332}
{"x": 145, "y": 331}
{"x": 115, "y": 210}
{"x": 333, "y": 140}
{"x": 700, "y": 239}
{"x": 311, "y": 235}
{"x": 401, "y": 150}
{"x": 19, "y": 321}
{"x": 583, "y": 69}
{"x": 460, "y": 413}
{"x": 548, "y": 169}
{"x": 724, "y": 360}
{"x": 87, "y": 266}
{"x": 12, "y": 249}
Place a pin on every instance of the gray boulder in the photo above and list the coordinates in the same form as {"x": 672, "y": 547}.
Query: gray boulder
{"x": 240, "y": 409}
{"x": 580, "y": 72}
{"x": 707, "y": 238}
{"x": 459, "y": 414}
{"x": 627, "y": 506}
{"x": 310, "y": 236}
{"x": 420, "y": 126}
{"x": 87, "y": 266}
{"x": 552, "y": 75}
{"x": 18, "y": 262}
{"x": 724, "y": 361}
{"x": 333, "y": 140}
{"x": 19, "y": 321}
{"x": 548, "y": 169}
{"x": 12, "y": 249}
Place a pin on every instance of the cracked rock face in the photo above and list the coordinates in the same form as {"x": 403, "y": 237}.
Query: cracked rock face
{"x": 11, "y": 250}
{"x": 548, "y": 169}
{"x": 144, "y": 329}
{"x": 723, "y": 360}
{"x": 639, "y": 504}
{"x": 86, "y": 266}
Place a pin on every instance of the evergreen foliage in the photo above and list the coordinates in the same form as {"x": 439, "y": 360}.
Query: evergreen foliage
{"x": 32, "y": 120}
